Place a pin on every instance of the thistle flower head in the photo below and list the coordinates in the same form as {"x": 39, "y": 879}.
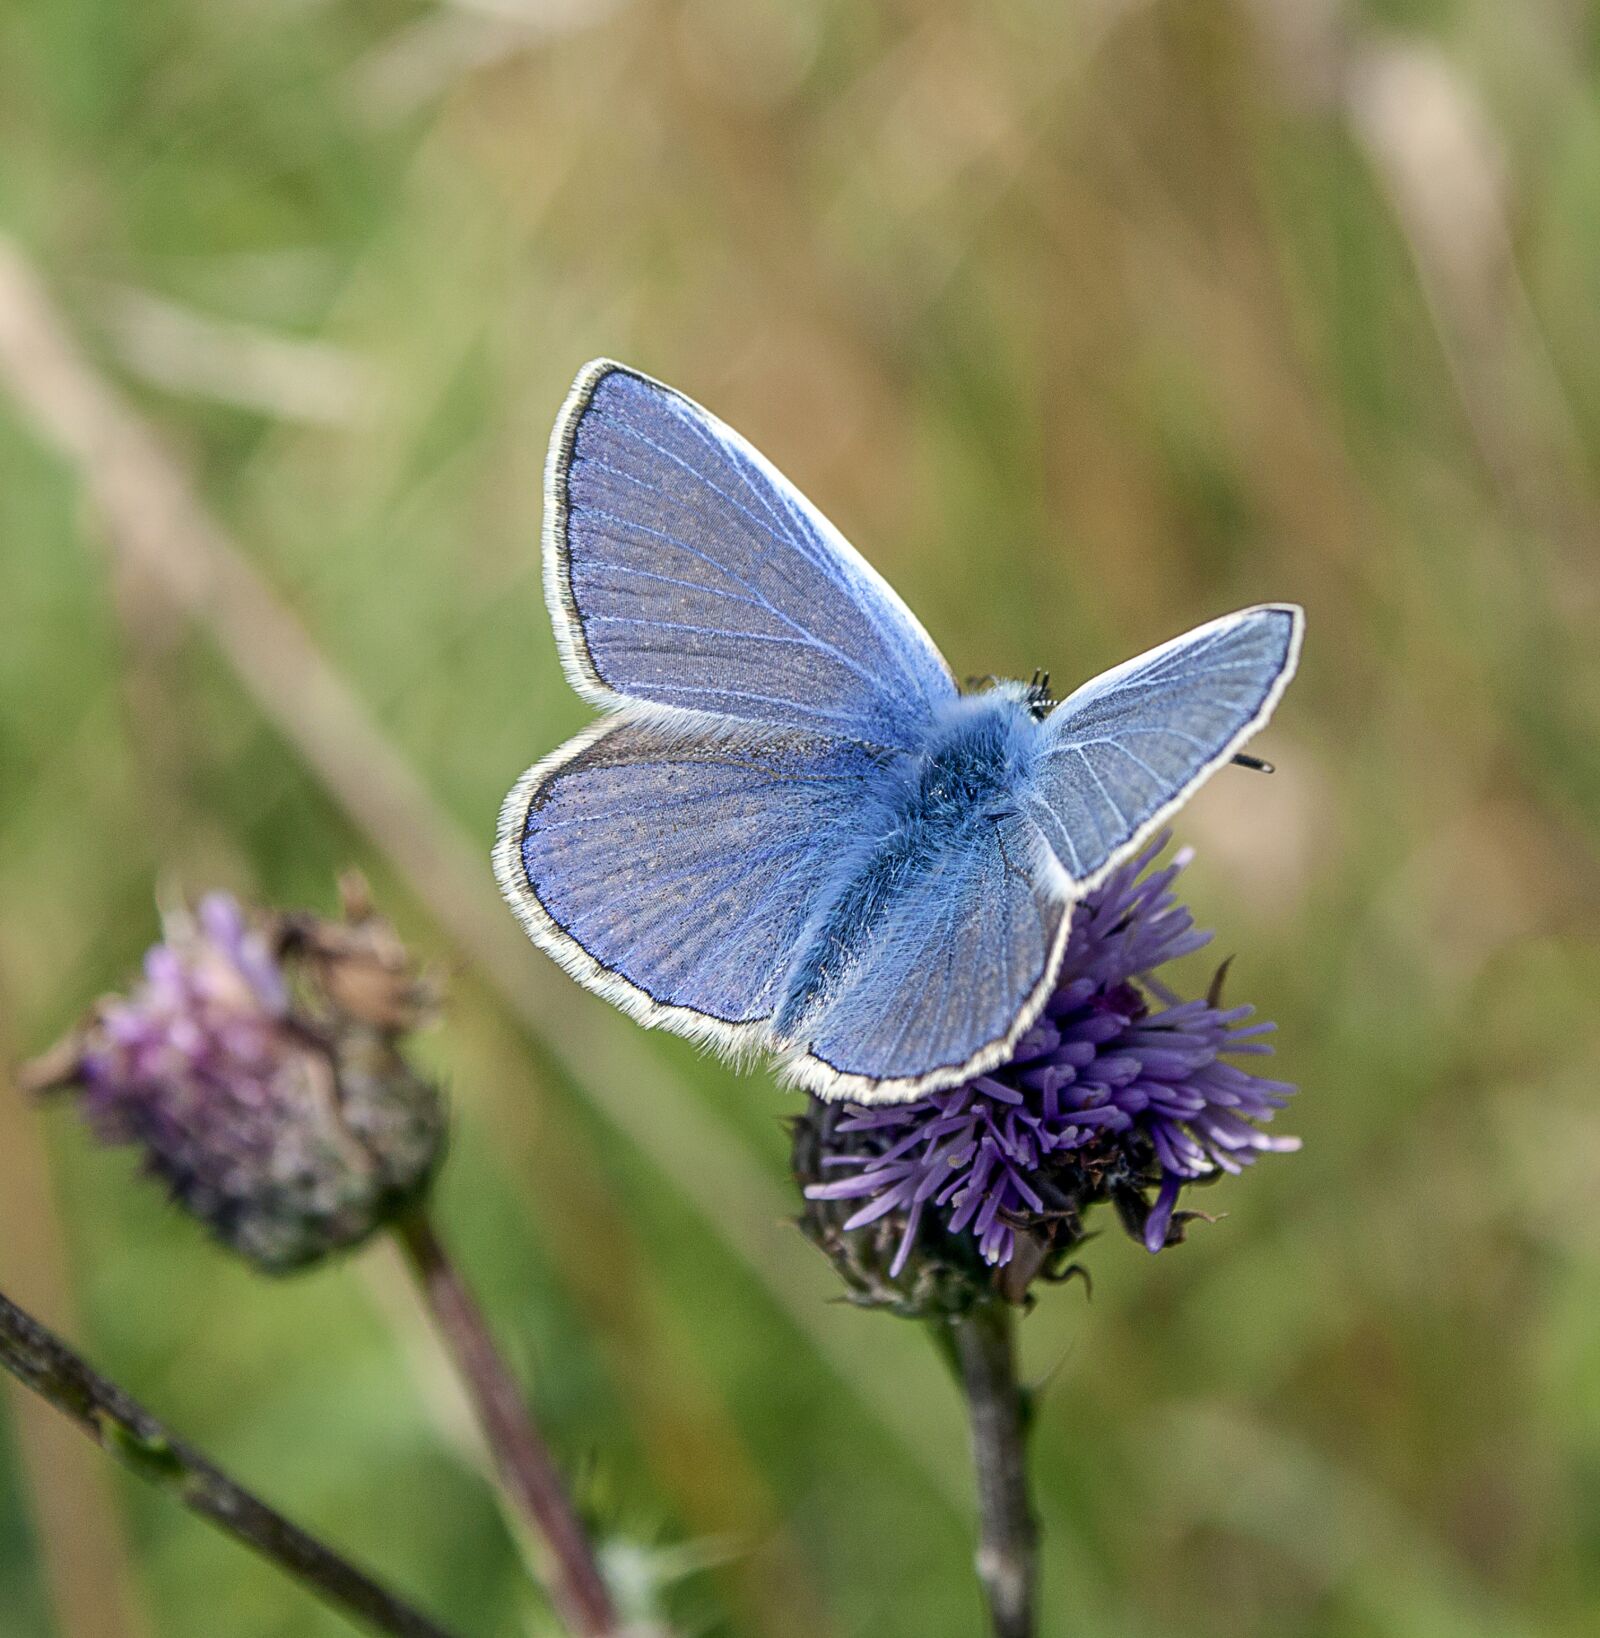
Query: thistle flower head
{"x": 256, "y": 1063}
{"x": 1120, "y": 1091}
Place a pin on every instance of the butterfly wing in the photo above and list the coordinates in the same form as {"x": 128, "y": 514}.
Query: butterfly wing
{"x": 671, "y": 868}
{"x": 952, "y": 974}
{"x": 1120, "y": 755}
{"x": 683, "y": 570}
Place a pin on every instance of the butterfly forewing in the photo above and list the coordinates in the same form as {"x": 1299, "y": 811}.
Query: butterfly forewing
{"x": 1118, "y": 756}
{"x": 685, "y": 571}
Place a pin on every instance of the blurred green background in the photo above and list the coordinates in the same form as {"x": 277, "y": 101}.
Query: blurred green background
{"x": 1086, "y": 322}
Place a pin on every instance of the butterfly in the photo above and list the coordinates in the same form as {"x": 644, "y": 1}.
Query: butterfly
{"x": 792, "y": 830}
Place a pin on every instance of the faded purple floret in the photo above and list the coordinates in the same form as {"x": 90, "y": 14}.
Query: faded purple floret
{"x": 287, "y": 1125}
{"x": 191, "y": 1064}
{"x": 1118, "y": 1089}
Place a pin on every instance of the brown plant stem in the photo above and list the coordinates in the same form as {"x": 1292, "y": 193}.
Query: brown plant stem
{"x": 124, "y": 1429}
{"x": 984, "y": 1346}
{"x": 564, "y": 1558}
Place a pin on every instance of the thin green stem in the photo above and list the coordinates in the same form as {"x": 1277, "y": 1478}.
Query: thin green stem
{"x": 123, "y": 1428}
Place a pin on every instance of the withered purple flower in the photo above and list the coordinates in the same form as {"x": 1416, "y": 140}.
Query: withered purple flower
{"x": 1121, "y": 1091}
{"x": 256, "y": 1063}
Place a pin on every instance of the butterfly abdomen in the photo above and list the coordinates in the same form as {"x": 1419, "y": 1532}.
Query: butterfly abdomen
{"x": 940, "y": 802}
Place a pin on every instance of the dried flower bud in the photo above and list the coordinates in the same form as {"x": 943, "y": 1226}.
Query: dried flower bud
{"x": 257, "y": 1063}
{"x": 1119, "y": 1092}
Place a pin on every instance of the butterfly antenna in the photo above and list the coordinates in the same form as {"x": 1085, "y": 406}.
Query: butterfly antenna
{"x": 1254, "y": 763}
{"x": 1039, "y": 701}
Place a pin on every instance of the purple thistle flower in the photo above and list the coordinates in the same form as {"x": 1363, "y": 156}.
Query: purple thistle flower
{"x": 255, "y": 1063}
{"x": 1119, "y": 1089}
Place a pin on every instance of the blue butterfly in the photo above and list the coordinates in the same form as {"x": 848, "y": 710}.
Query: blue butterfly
{"x": 792, "y": 831}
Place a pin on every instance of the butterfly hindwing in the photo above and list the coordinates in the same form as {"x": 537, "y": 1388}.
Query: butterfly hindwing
{"x": 683, "y": 570}
{"x": 671, "y": 868}
{"x": 959, "y": 958}
{"x": 1116, "y": 758}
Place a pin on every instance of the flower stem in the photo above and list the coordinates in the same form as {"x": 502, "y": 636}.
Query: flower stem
{"x": 1008, "y": 1535}
{"x": 123, "y": 1428}
{"x": 564, "y": 1557}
